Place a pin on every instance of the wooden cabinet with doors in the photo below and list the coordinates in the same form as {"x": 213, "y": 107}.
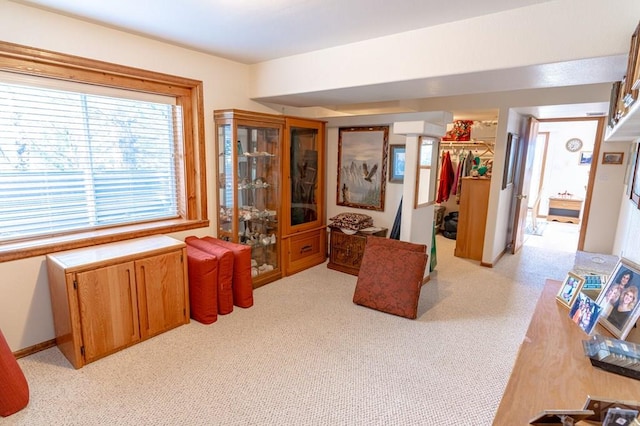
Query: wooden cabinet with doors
{"x": 472, "y": 219}
{"x": 271, "y": 190}
{"x": 303, "y": 207}
{"x": 107, "y": 297}
{"x": 347, "y": 250}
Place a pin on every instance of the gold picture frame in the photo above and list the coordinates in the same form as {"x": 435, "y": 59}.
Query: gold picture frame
{"x": 612, "y": 157}
{"x": 569, "y": 289}
{"x": 362, "y": 167}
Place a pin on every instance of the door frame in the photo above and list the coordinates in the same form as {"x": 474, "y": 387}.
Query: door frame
{"x": 598, "y": 138}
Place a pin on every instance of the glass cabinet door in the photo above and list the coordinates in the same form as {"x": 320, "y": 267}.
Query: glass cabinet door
{"x": 258, "y": 194}
{"x": 249, "y": 195}
{"x": 305, "y": 144}
{"x": 226, "y": 194}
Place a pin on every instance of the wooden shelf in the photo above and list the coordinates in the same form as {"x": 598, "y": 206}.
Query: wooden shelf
{"x": 551, "y": 370}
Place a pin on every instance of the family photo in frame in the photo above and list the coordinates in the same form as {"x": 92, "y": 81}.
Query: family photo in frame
{"x": 619, "y": 299}
{"x": 585, "y": 312}
{"x": 569, "y": 289}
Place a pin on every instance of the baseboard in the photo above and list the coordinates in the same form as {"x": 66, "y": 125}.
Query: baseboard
{"x": 495, "y": 261}
{"x": 35, "y": 348}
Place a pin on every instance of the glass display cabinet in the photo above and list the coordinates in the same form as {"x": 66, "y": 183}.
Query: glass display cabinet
{"x": 248, "y": 152}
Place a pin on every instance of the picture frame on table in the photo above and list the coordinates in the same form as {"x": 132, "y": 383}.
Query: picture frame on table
{"x": 585, "y": 312}
{"x": 600, "y": 406}
{"x": 619, "y": 299}
{"x": 612, "y": 157}
{"x": 619, "y": 417}
{"x": 569, "y": 289}
{"x": 362, "y": 167}
{"x": 396, "y": 163}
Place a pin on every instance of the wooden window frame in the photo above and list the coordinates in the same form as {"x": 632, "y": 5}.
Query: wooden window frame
{"x": 188, "y": 93}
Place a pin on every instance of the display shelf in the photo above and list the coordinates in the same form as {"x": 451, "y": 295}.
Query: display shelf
{"x": 249, "y": 187}
{"x": 627, "y": 128}
{"x": 271, "y": 190}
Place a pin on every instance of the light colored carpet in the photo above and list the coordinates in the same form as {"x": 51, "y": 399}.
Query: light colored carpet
{"x": 304, "y": 354}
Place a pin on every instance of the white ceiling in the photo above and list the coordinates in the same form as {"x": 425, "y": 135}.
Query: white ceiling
{"x": 251, "y": 31}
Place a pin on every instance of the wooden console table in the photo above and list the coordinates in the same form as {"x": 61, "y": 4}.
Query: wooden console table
{"x": 564, "y": 209}
{"x": 551, "y": 370}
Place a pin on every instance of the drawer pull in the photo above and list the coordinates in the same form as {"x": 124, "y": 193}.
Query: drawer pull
{"x": 305, "y": 249}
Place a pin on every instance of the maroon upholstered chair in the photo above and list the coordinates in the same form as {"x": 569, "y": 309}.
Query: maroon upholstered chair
{"x": 391, "y": 276}
{"x": 14, "y": 390}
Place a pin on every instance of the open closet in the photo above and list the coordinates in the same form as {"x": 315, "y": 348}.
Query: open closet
{"x": 467, "y": 150}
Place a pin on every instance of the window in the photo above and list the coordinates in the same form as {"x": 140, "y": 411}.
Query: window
{"x": 110, "y": 153}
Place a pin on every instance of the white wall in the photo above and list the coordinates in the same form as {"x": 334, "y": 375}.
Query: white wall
{"x": 483, "y": 42}
{"x": 393, "y": 191}
{"x": 25, "y": 307}
{"x": 500, "y": 200}
{"x": 608, "y": 187}
{"x": 563, "y": 171}
{"x": 627, "y": 243}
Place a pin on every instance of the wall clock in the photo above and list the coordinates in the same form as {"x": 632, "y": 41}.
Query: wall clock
{"x": 573, "y": 144}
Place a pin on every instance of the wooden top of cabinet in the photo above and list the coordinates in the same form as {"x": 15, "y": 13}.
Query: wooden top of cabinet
{"x": 575, "y": 200}
{"x": 552, "y": 371}
{"x": 107, "y": 253}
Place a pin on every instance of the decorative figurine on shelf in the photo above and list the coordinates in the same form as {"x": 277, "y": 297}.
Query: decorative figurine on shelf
{"x": 478, "y": 168}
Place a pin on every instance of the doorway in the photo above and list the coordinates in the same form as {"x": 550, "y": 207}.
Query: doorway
{"x": 560, "y": 183}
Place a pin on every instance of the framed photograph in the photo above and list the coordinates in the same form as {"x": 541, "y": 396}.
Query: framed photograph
{"x": 619, "y": 299}
{"x": 569, "y": 289}
{"x": 362, "y": 166}
{"x": 396, "y": 163}
{"x": 585, "y": 157}
{"x": 510, "y": 160}
{"x": 635, "y": 178}
{"x": 600, "y": 407}
{"x": 613, "y": 103}
{"x": 633, "y": 65}
{"x": 558, "y": 417}
{"x": 612, "y": 157}
{"x": 585, "y": 312}
{"x": 631, "y": 162}
{"x": 619, "y": 417}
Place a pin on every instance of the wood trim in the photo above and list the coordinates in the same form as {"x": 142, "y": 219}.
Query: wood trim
{"x": 35, "y": 348}
{"x": 592, "y": 178}
{"x": 27, "y": 60}
{"x": 43, "y": 246}
{"x": 46, "y": 63}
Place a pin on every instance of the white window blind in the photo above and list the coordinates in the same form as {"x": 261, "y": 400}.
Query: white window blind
{"x": 73, "y": 161}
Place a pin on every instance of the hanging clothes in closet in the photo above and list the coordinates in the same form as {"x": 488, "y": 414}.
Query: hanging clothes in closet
{"x": 446, "y": 178}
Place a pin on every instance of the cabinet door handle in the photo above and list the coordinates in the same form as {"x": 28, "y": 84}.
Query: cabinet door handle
{"x": 305, "y": 249}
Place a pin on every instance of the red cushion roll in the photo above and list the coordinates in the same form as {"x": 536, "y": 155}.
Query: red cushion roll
{"x": 203, "y": 285}
{"x": 242, "y": 282}
{"x": 225, "y": 271}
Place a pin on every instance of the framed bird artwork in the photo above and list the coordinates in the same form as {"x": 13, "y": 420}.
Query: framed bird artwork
{"x": 362, "y": 166}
